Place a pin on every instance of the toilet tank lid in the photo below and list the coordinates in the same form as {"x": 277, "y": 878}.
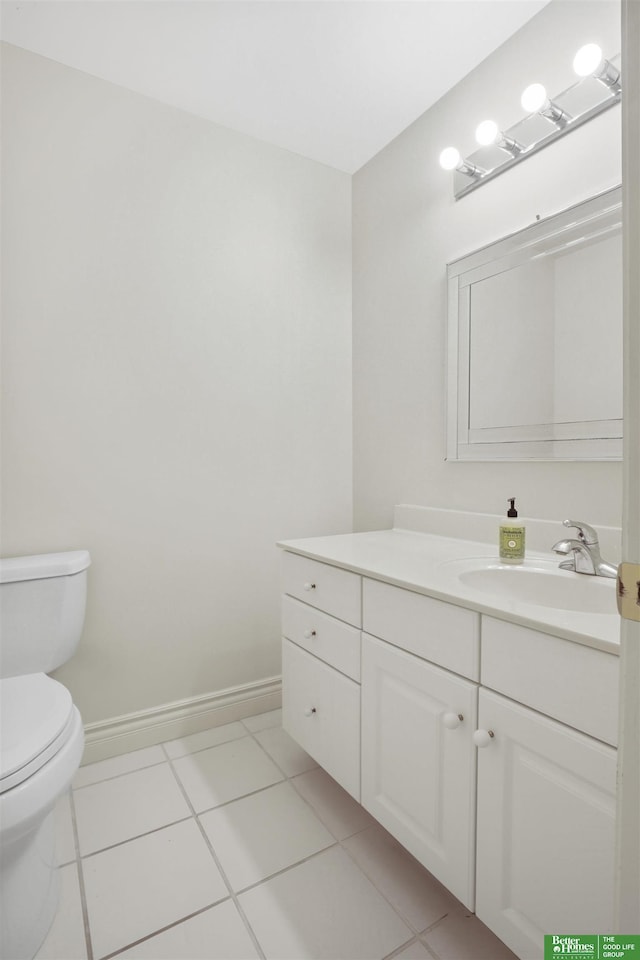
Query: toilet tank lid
{"x": 43, "y": 565}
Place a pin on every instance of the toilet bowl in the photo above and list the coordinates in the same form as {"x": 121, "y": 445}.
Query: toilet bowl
{"x": 41, "y": 737}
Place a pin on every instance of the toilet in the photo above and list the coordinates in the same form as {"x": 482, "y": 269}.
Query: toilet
{"x": 42, "y": 606}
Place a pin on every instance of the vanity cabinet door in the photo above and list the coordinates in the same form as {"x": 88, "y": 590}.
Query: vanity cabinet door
{"x": 546, "y": 808}
{"x": 419, "y": 761}
{"x": 321, "y": 711}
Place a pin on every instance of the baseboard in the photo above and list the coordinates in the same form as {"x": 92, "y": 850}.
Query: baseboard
{"x": 145, "y": 728}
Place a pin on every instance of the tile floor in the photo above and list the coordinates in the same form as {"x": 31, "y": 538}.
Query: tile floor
{"x": 233, "y": 844}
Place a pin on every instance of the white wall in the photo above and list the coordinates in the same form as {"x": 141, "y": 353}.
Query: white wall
{"x": 407, "y": 226}
{"x": 177, "y": 375}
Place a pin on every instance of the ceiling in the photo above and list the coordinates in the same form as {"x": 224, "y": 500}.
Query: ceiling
{"x": 333, "y": 80}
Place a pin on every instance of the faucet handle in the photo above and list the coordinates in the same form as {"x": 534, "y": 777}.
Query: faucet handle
{"x": 586, "y": 534}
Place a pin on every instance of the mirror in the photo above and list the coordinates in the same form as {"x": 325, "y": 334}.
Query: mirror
{"x": 535, "y": 341}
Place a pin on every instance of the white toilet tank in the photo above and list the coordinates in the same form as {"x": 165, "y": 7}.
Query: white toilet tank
{"x": 42, "y": 607}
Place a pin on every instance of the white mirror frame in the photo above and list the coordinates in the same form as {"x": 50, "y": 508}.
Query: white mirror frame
{"x": 593, "y": 440}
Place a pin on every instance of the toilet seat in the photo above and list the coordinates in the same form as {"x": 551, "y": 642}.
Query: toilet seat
{"x": 37, "y": 720}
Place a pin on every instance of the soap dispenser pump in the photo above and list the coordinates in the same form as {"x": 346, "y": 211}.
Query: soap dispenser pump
{"x": 512, "y": 536}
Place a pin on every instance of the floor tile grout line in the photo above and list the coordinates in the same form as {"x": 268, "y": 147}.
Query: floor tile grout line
{"x": 404, "y": 919}
{"x": 243, "y": 796}
{"x": 342, "y": 843}
{"x": 318, "y": 813}
{"x": 81, "y": 885}
{"x": 449, "y": 913}
{"x": 271, "y": 726}
{"x": 286, "y": 778}
{"x": 282, "y": 870}
{"x": 210, "y": 746}
{"x": 398, "y": 950}
{"x": 416, "y": 932}
{"x": 267, "y": 754}
{"x": 169, "y": 761}
{"x": 290, "y": 777}
{"x": 169, "y": 926}
{"x": 337, "y": 842}
{"x": 216, "y": 860}
{"x": 417, "y": 935}
{"x": 138, "y": 836}
{"x": 168, "y": 758}
{"x": 116, "y": 776}
{"x": 430, "y": 950}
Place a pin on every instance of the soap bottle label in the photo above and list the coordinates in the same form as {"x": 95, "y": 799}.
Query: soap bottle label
{"x": 511, "y": 543}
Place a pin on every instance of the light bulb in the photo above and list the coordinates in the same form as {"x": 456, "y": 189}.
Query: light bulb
{"x": 487, "y": 132}
{"x": 587, "y": 59}
{"x": 534, "y": 98}
{"x": 449, "y": 158}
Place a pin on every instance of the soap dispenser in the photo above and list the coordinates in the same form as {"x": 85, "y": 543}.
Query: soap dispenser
{"x": 512, "y": 536}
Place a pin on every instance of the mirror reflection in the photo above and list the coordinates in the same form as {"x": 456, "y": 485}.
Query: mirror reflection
{"x": 536, "y": 325}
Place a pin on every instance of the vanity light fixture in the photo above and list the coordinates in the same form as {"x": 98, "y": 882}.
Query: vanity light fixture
{"x": 598, "y": 87}
{"x": 450, "y": 159}
{"x": 589, "y": 62}
{"x": 535, "y": 100}
{"x": 488, "y": 132}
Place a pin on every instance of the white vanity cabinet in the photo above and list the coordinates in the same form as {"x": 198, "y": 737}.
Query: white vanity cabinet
{"x": 321, "y": 665}
{"x": 487, "y": 748}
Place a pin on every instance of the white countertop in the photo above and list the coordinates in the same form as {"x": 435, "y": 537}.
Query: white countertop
{"x": 416, "y": 561}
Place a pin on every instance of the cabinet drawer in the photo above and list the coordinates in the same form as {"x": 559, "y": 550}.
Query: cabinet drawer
{"x": 432, "y": 629}
{"x": 332, "y": 640}
{"x": 321, "y": 711}
{"x": 328, "y": 588}
{"x": 568, "y": 681}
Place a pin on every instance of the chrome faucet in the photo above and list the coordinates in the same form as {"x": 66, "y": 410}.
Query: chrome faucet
{"x": 584, "y": 552}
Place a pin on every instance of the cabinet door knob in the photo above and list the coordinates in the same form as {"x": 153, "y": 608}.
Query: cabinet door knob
{"x": 452, "y": 720}
{"x": 482, "y": 738}
{"x": 309, "y": 711}
{"x": 309, "y": 586}
{"x": 308, "y": 634}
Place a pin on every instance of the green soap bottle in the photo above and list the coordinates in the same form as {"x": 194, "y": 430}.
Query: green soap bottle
{"x": 512, "y": 536}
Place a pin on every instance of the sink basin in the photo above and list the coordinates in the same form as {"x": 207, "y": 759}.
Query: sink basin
{"x": 537, "y": 582}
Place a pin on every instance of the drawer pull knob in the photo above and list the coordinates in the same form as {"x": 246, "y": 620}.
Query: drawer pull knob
{"x": 309, "y": 586}
{"x": 482, "y": 738}
{"x": 309, "y": 711}
{"x": 308, "y": 634}
{"x": 452, "y": 720}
